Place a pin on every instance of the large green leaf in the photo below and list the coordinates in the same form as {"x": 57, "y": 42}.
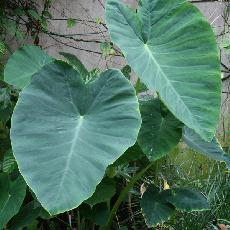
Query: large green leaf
{"x": 160, "y": 130}
{"x": 23, "y": 64}
{"x": 65, "y": 132}
{"x": 172, "y": 48}
{"x": 155, "y": 208}
{"x": 188, "y": 200}
{"x": 11, "y": 206}
{"x": 211, "y": 149}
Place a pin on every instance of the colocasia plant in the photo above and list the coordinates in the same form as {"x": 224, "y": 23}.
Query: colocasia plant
{"x": 70, "y": 126}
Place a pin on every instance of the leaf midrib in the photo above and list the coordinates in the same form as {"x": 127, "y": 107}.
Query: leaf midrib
{"x": 71, "y": 152}
{"x": 178, "y": 96}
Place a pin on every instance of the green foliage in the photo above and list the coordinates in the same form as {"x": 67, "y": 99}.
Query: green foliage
{"x": 160, "y": 131}
{"x": 155, "y": 207}
{"x": 103, "y": 193}
{"x": 77, "y": 119}
{"x": 176, "y": 57}
{"x": 71, "y": 22}
{"x": 10, "y": 205}
{"x": 107, "y": 49}
{"x": 76, "y": 135}
{"x": 23, "y": 64}
{"x": 158, "y": 206}
{"x": 26, "y": 215}
{"x": 9, "y": 164}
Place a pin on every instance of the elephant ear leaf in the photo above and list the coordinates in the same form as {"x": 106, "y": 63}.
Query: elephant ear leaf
{"x": 188, "y": 200}
{"x": 72, "y": 131}
{"x": 211, "y": 149}
{"x": 172, "y": 48}
{"x": 160, "y": 130}
{"x": 155, "y": 208}
{"x": 158, "y": 206}
{"x": 23, "y": 64}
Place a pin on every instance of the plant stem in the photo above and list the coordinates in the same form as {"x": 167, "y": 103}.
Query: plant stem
{"x": 124, "y": 194}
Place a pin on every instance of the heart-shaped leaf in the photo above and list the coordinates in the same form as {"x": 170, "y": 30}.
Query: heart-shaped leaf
{"x": 160, "y": 130}
{"x": 155, "y": 208}
{"x": 172, "y": 48}
{"x": 188, "y": 200}
{"x": 211, "y": 149}
{"x": 158, "y": 206}
{"x": 65, "y": 133}
{"x": 23, "y": 64}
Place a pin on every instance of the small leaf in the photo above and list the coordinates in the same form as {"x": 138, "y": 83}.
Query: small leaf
{"x": 107, "y": 49}
{"x": 47, "y": 14}
{"x": 9, "y": 163}
{"x": 24, "y": 63}
{"x": 99, "y": 20}
{"x": 71, "y": 22}
{"x": 211, "y": 149}
{"x": 34, "y": 14}
{"x": 188, "y": 200}
{"x": 156, "y": 209}
{"x": 126, "y": 70}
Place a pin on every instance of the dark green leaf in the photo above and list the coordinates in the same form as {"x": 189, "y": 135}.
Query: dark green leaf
{"x": 104, "y": 192}
{"x": 188, "y": 200}
{"x": 11, "y": 206}
{"x": 126, "y": 70}
{"x": 160, "y": 130}
{"x": 64, "y": 126}
{"x": 155, "y": 208}
{"x": 26, "y": 216}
